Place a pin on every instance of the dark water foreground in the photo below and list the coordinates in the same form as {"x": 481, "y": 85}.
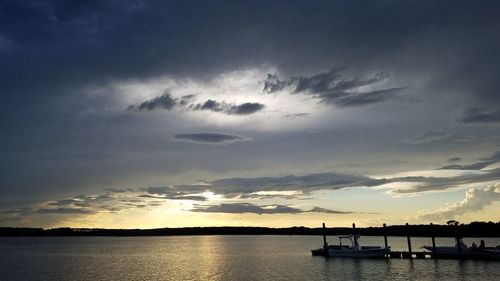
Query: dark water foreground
{"x": 220, "y": 258}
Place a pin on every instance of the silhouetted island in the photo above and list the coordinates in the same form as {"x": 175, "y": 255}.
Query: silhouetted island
{"x": 474, "y": 229}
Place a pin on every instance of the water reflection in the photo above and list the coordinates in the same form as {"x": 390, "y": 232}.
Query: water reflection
{"x": 215, "y": 258}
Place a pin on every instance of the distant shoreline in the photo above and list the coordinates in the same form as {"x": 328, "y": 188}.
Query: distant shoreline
{"x": 474, "y": 229}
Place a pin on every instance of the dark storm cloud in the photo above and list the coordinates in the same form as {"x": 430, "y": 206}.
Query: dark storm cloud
{"x": 102, "y": 40}
{"x": 333, "y": 87}
{"x": 239, "y": 208}
{"x": 483, "y": 163}
{"x": 211, "y": 105}
{"x": 227, "y": 108}
{"x": 210, "y": 138}
{"x": 187, "y": 99}
{"x": 481, "y": 115}
{"x": 165, "y": 101}
{"x": 245, "y": 108}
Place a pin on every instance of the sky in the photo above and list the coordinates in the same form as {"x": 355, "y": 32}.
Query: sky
{"x": 146, "y": 114}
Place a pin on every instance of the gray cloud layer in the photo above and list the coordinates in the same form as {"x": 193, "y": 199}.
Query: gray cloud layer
{"x": 485, "y": 162}
{"x": 481, "y": 115}
{"x": 116, "y": 200}
{"x": 333, "y": 87}
{"x": 240, "y": 208}
{"x": 230, "y": 109}
{"x": 167, "y": 102}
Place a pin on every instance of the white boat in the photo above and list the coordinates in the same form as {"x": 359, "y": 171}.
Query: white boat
{"x": 354, "y": 250}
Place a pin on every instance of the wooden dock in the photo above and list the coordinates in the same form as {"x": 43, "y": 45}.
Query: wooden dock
{"x": 426, "y": 255}
{"x": 431, "y": 255}
{"x": 483, "y": 253}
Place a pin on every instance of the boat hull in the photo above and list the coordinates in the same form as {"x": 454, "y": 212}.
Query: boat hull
{"x": 493, "y": 254}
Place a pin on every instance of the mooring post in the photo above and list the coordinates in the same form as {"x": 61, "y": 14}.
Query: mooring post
{"x": 459, "y": 244}
{"x": 433, "y": 238}
{"x": 408, "y": 239}
{"x": 385, "y": 235}
{"x": 355, "y": 235}
{"x": 325, "y": 245}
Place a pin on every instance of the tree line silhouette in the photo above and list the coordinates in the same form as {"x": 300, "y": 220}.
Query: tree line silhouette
{"x": 474, "y": 229}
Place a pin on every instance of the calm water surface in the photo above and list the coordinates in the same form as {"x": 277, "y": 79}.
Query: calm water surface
{"x": 220, "y": 258}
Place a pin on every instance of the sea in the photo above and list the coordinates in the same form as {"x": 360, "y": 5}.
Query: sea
{"x": 221, "y": 257}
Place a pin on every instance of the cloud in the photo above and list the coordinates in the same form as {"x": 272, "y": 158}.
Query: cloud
{"x": 245, "y": 108}
{"x": 428, "y": 137}
{"x": 481, "y": 115}
{"x": 229, "y": 109}
{"x": 485, "y": 162}
{"x": 86, "y": 204}
{"x": 328, "y": 211}
{"x": 117, "y": 190}
{"x": 211, "y": 105}
{"x": 210, "y": 138}
{"x": 165, "y": 101}
{"x": 333, "y": 87}
{"x": 475, "y": 200}
{"x": 296, "y": 115}
{"x": 454, "y": 159}
{"x": 171, "y": 194}
{"x": 305, "y": 183}
{"x": 427, "y": 184}
{"x": 365, "y": 98}
{"x": 240, "y": 208}
{"x": 65, "y": 211}
{"x": 187, "y": 99}
{"x": 179, "y": 196}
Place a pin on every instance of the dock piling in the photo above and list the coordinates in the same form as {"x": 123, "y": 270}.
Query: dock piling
{"x": 433, "y": 238}
{"x": 385, "y": 235}
{"x": 459, "y": 244}
{"x": 325, "y": 245}
{"x": 408, "y": 239}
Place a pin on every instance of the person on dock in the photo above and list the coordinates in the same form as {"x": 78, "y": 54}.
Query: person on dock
{"x": 482, "y": 245}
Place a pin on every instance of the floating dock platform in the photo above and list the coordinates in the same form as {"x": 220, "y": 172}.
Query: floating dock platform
{"x": 425, "y": 255}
